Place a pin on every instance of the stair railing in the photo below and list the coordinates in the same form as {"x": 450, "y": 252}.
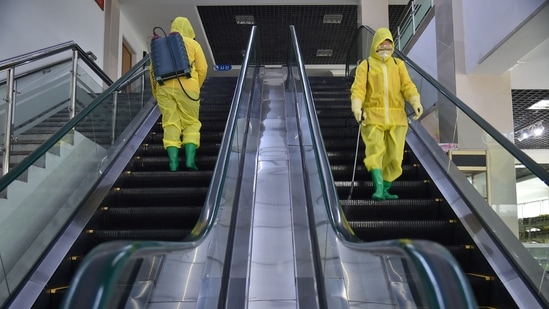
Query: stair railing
{"x": 9, "y": 65}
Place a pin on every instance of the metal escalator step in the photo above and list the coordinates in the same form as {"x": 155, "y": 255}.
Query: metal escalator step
{"x": 158, "y": 150}
{"x": 363, "y": 189}
{"x": 482, "y": 287}
{"x": 174, "y": 217}
{"x": 143, "y": 234}
{"x": 400, "y": 209}
{"x": 159, "y": 196}
{"x": 161, "y": 163}
{"x": 164, "y": 178}
{"x": 343, "y": 172}
{"x": 440, "y": 231}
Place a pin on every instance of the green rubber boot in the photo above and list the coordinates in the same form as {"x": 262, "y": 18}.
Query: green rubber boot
{"x": 377, "y": 179}
{"x": 190, "y": 153}
{"x": 388, "y": 196}
{"x": 173, "y": 155}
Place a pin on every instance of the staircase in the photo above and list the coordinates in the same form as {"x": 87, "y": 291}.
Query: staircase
{"x": 147, "y": 202}
{"x": 421, "y": 212}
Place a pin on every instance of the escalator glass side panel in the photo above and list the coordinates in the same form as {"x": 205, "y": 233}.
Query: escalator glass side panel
{"x": 52, "y": 182}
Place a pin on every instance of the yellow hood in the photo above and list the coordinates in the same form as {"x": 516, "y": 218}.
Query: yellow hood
{"x": 380, "y": 35}
{"x": 183, "y": 26}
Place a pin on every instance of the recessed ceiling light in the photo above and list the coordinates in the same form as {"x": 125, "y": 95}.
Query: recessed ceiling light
{"x": 332, "y": 19}
{"x": 244, "y": 20}
{"x": 324, "y": 52}
{"x": 541, "y": 104}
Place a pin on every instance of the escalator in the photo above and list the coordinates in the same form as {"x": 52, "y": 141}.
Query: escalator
{"x": 147, "y": 202}
{"x": 421, "y": 212}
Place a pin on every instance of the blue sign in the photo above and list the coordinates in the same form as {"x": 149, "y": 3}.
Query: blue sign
{"x": 222, "y": 67}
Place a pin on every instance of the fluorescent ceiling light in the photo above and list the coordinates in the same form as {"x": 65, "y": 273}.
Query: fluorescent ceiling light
{"x": 541, "y": 104}
{"x": 332, "y": 19}
{"x": 324, "y": 52}
{"x": 244, "y": 20}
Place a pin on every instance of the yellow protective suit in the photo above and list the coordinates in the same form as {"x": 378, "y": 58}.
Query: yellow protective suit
{"x": 180, "y": 112}
{"x": 381, "y": 86}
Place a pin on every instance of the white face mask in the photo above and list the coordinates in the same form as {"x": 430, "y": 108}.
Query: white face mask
{"x": 383, "y": 53}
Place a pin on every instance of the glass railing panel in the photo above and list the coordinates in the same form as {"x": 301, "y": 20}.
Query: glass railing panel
{"x": 406, "y": 33}
{"x": 36, "y": 206}
{"x": 38, "y": 197}
{"x": 42, "y": 85}
{"x": 411, "y": 22}
{"x": 88, "y": 88}
{"x": 40, "y": 95}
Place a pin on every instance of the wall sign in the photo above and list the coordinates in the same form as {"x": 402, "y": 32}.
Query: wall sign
{"x": 222, "y": 67}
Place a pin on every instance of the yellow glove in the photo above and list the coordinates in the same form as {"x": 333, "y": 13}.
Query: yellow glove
{"x": 356, "y": 107}
{"x": 418, "y": 108}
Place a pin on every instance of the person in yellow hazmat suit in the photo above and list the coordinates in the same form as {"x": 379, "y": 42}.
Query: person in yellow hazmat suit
{"x": 380, "y": 88}
{"x": 179, "y": 101}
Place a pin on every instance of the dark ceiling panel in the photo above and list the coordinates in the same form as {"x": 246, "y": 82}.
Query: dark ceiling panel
{"x": 228, "y": 39}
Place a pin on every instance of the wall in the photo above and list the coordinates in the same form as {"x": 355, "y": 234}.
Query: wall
{"x": 487, "y": 23}
{"x": 35, "y": 24}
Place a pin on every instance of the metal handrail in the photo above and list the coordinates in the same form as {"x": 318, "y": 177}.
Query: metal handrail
{"x": 88, "y": 58}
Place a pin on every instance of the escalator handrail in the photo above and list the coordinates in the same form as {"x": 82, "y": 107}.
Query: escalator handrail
{"x": 20, "y": 168}
{"x": 96, "y": 278}
{"x": 441, "y": 276}
{"x": 340, "y": 223}
{"x": 208, "y": 213}
{"x": 434, "y": 263}
{"x": 54, "y": 50}
{"x": 528, "y": 162}
{"x": 101, "y": 268}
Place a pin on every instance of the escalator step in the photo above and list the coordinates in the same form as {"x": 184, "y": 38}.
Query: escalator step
{"x": 440, "y": 231}
{"x": 401, "y": 209}
{"x": 161, "y": 163}
{"x": 405, "y": 189}
{"x": 152, "y": 217}
{"x": 158, "y": 234}
{"x": 164, "y": 178}
{"x": 160, "y": 196}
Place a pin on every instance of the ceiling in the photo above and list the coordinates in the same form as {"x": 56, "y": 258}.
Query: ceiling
{"x": 225, "y": 41}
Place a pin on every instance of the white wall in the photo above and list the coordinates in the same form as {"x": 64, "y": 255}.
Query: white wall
{"x": 487, "y": 23}
{"x": 30, "y": 25}
{"x": 137, "y": 42}
{"x": 424, "y": 51}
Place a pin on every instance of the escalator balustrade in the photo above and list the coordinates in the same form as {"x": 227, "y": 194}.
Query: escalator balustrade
{"x": 147, "y": 201}
{"x": 421, "y": 212}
